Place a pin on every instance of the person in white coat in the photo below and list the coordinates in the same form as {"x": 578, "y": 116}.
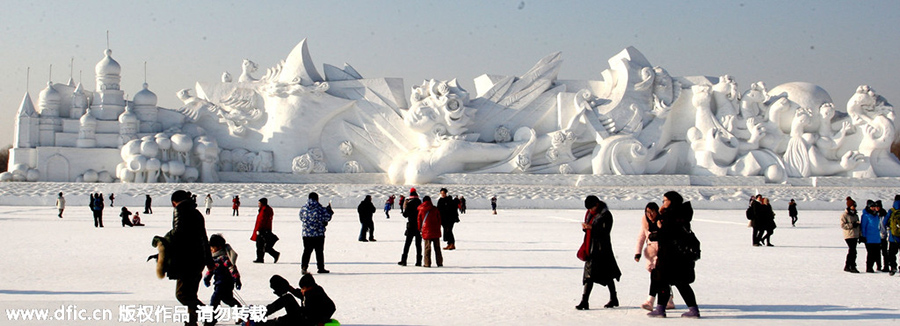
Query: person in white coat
{"x": 60, "y": 204}
{"x": 649, "y": 249}
{"x": 208, "y": 202}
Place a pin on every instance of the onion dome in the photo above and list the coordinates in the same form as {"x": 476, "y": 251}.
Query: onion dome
{"x": 144, "y": 98}
{"x": 49, "y": 97}
{"x": 108, "y": 66}
{"x": 128, "y": 116}
{"x": 87, "y": 119}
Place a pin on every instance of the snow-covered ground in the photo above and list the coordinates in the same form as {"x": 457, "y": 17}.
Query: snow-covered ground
{"x": 514, "y": 268}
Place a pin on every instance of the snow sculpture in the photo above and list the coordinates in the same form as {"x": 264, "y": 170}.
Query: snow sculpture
{"x": 635, "y": 119}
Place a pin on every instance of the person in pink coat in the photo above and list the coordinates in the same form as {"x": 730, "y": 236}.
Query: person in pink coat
{"x": 649, "y": 249}
{"x": 430, "y": 225}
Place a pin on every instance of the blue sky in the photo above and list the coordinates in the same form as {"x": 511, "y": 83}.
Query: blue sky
{"x": 835, "y": 44}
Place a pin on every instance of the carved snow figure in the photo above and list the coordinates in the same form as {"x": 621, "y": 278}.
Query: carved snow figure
{"x": 207, "y": 150}
{"x": 802, "y": 159}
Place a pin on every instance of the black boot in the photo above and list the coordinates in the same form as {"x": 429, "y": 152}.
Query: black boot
{"x": 418, "y": 260}
{"x": 585, "y": 296}
{"x": 613, "y": 298}
{"x": 583, "y": 305}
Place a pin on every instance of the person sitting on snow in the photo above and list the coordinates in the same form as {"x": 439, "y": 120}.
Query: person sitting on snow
{"x": 317, "y": 307}
{"x": 136, "y": 220}
{"x": 126, "y": 217}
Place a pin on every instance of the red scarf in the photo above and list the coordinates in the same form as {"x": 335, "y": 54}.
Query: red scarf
{"x": 585, "y": 250}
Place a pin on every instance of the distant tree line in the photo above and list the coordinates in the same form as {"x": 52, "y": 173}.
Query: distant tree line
{"x": 4, "y": 158}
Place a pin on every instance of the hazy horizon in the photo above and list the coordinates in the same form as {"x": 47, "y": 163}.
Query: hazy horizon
{"x": 838, "y": 46}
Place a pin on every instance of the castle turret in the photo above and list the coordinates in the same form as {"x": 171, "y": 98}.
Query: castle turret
{"x": 79, "y": 102}
{"x": 146, "y": 110}
{"x": 27, "y": 129}
{"x": 48, "y": 104}
{"x": 128, "y": 126}
{"x": 87, "y": 131}
{"x": 109, "y": 100}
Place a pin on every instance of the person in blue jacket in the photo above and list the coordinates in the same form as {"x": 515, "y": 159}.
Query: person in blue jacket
{"x": 870, "y": 226}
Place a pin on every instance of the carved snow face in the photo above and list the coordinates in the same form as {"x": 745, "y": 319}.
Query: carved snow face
{"x": 439, "y": 108}
{"x": 826, "y": 111}
{"x": 662, "y": 85}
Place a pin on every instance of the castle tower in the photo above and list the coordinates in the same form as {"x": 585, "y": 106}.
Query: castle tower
{"x": 128, "y": 126}
{"x": 87, "y": 132}
{"x": 48, "y": 104}
{"x": 27, "y": 128}
{"x": 109, "y": 100}
{"x": 146, "y": 110}
{"x": 79, "y": 102}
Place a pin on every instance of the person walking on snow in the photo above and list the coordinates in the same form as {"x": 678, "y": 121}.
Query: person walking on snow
{"x": 494, "y": 205}
{"x": 208, "y": 202}
{"x": 60, "y": 204}
{"x": 429, "y": 223}
{"x": 225, "y": 272}
{"x": 649, "y": 249}
{"x": 850, "y": 224}
{"x": 792, "y": 212}
{"x": 600, "y": 264}
{"x": 388, "y": 204}
{"x": 673, "y": 267}
{"x": 112, "y": 199}
{"x": 366, "y": 210}
{"x": 315, "y": 218}
{"x": 189, "y": 248}
{"x": 262, "y": 233}
{"x": 235, "y": 206}
{"x": 147, "y": 208}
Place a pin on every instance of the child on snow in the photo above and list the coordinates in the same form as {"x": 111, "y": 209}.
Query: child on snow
{"x": 136, "y": 220}
{"x": 227, "y": 277}
{"x": 126, "y": 217}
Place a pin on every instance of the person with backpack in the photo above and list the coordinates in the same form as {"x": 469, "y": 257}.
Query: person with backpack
{"x": 98, "y": 210}
{"x": 673, "y": 265}
{"x": 893, "y": 227}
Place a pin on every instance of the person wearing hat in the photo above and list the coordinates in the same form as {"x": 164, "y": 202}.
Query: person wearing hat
{"x": 850, "y": 225}
{"x": 411, "y": 212}
{"x": 286, "y": 300}
{"x": 189, "y": 248}
{"x": 317, "y": 308}
{"x": 870, "y": 229}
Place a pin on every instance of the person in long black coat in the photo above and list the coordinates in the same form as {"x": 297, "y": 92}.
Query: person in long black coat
{"x": 366, "y": 209}
{"x": 189, "y": 251}
{"x": 767, "y": 222}
{"x": 600, "y": 266}
{"x": 673, "y": 268}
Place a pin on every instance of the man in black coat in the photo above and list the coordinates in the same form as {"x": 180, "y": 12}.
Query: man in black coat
{"x": 449, "y": 216}
{"x": 366, "y": 209}
{"x": 411, "y": 212}
{"x": 189, "y": 251}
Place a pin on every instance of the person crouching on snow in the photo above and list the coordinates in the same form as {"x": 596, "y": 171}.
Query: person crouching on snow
{"x": 126, "y": 217}
{"x": 136, "y": 220}
{"x": 227, "y": 277}
{"x": 317, "y": 307}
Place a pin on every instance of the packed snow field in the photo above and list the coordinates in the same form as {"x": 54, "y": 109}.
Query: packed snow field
{"x": 514, "y": 268}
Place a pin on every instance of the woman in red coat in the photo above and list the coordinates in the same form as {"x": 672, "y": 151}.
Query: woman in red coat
{"x": 430, "y": 226}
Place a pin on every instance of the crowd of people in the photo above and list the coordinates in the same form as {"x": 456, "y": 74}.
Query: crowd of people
{"x": 878, "y": 229}
{"x": 666, "y": 242}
